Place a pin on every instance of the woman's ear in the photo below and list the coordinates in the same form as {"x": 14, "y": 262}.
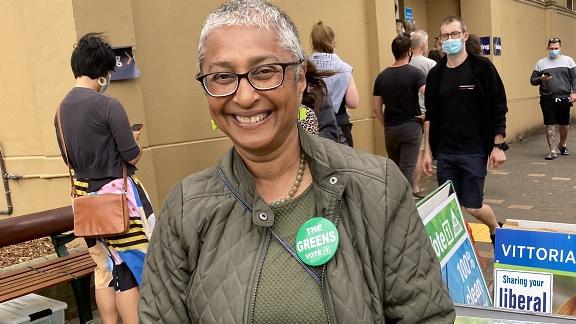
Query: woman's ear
{"x": 302, "y": 78}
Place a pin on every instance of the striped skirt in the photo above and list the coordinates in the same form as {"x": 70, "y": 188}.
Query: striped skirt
{"x": 120, "y": 259}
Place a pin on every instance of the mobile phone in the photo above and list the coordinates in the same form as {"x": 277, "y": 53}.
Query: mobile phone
{"x": 137, "y": 127}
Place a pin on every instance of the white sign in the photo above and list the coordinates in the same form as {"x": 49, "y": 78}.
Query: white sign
{"x": 523, "y": 290}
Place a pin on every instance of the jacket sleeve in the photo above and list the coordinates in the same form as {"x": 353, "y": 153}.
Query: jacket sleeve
{"x": 497, "y": 97}
{"x": 168, "y": 269}
{"x": 414, "y": 290}
{"x": 429, "y": 94}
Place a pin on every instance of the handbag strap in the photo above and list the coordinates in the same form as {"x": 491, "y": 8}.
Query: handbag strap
{"x": 63, "y": 142}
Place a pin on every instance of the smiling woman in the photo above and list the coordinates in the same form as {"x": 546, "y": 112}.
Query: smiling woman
{"x": 225, "y": 249}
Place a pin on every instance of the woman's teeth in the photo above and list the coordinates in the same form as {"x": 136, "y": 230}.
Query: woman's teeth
{"x": 251, "y": 119}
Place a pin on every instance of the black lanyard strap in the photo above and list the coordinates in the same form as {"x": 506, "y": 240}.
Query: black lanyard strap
{"x": 278, "y": 238}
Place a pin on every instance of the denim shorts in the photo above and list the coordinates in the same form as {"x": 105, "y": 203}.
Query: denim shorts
{"x": 467, "y": 173}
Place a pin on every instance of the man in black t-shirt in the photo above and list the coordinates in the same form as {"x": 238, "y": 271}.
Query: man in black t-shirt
{"x": 465, "y": 121}
{"x": 395, "y": 104}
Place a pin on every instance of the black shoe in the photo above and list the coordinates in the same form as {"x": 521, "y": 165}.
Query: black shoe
{"x": 551, "y": 156}
{"x": 493, "y": 236}
{"x": 563, "y": 150}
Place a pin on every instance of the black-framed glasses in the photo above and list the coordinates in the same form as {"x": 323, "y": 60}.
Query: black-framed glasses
{"x": 262, "y": 77}
{"x": 452, "y": 35}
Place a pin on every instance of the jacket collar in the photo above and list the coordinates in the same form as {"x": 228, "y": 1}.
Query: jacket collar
{"x": 474, "y": 59}
{"x": 330, "y": 181}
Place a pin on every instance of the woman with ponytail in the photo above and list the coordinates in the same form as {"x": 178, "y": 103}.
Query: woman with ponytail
{"x": 341, "y": 88}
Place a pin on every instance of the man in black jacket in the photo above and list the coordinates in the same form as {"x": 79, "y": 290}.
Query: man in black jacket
{"x": 465, "y": 120}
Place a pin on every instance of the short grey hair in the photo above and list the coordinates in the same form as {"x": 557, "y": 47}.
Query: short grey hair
{"x": 419, "y": 38}
{"x": 256, "y": 13}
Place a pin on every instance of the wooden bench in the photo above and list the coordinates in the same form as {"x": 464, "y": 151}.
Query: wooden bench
{"x": 75, "y": 268}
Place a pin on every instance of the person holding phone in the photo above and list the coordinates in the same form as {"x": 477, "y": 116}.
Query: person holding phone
{"x": 100, "y": 142}
{"x": 555, "y": 75}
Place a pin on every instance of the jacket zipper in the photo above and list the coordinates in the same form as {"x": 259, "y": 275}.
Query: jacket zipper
{"x": 324, "y": 292}
{"x": 258, "y": 274}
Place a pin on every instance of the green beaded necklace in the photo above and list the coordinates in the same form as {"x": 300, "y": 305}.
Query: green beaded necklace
{"x": 295, "y": 185}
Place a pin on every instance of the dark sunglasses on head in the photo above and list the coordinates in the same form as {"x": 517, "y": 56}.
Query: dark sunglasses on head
{"x": 554, "y": 40}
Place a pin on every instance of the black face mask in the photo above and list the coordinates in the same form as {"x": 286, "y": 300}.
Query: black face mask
{"x": 409, "y": 56}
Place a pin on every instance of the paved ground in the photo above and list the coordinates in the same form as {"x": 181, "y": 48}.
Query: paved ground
{"x": 527, "y": 187}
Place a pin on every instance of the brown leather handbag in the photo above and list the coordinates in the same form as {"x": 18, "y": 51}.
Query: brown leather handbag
{"x": 97, "y": 215}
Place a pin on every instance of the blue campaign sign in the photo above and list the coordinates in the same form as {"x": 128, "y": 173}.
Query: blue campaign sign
{"x": 408, "y": 14}
{"x": 485, "y": 45}
{"x": 444, "y": 224}
{"x": 463, "y": 277}
{"x": 541, "y": 250}
{"x": 497, "y": 45}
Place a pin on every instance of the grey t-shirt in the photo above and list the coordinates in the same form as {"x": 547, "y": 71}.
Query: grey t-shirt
{"x": 97, "y": 134}
{"x": 424, "y": 64}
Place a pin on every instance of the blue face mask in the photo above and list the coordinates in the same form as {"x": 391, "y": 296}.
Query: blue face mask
{"x": 554, "y": 53}
{"x": 452, "y": 46}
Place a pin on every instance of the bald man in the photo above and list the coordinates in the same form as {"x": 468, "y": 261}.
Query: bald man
{"x": 419, "y": 60}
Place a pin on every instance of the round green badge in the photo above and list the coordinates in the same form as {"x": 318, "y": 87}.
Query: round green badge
{"x": 317, "y": 241}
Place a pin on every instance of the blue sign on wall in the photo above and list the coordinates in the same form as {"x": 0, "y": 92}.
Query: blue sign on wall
{"x": 541, "y": 250}
{"x": 408, "y": 14}
{"x": 485, "y": 45}
{"x": 125, "y": 64}
{"x": 497, "y": 45}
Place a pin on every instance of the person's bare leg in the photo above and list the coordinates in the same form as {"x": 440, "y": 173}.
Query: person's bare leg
{"x": 486, "y": 215}
{"x": 550, "y": 137}
{"x": 563, "y": 129}
{"x": 105, "y": 299}
{"x": 127, "y": 304}
{"x": 417, "y": 176}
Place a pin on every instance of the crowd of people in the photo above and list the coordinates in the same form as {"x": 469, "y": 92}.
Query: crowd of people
{"x": 236, "y": 242}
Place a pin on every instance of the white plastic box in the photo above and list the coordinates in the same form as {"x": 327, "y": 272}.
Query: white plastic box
{"x": 33, "y": 309}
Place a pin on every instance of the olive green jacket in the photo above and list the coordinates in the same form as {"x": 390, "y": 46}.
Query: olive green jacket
{"x": 206, "y": 252}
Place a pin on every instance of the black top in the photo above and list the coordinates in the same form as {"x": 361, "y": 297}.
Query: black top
{"x": 398, "y": 87}
{"x": 328, "y": 127}
{"x": 342, "y": 117}
{"x": 460, "y": 127}
{"x": 97, "y": 134}
{"x": 488, "y": 101}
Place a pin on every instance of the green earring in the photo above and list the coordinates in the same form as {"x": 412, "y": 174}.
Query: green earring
{"x": 302, "y": 113}
{"x": 213, "y": 124}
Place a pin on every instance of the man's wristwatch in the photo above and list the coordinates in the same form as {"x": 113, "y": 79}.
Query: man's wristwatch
{"x": 503, "y": 146}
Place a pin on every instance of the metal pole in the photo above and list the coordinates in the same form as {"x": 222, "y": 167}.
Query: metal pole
{"x": 9, "y": 208}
